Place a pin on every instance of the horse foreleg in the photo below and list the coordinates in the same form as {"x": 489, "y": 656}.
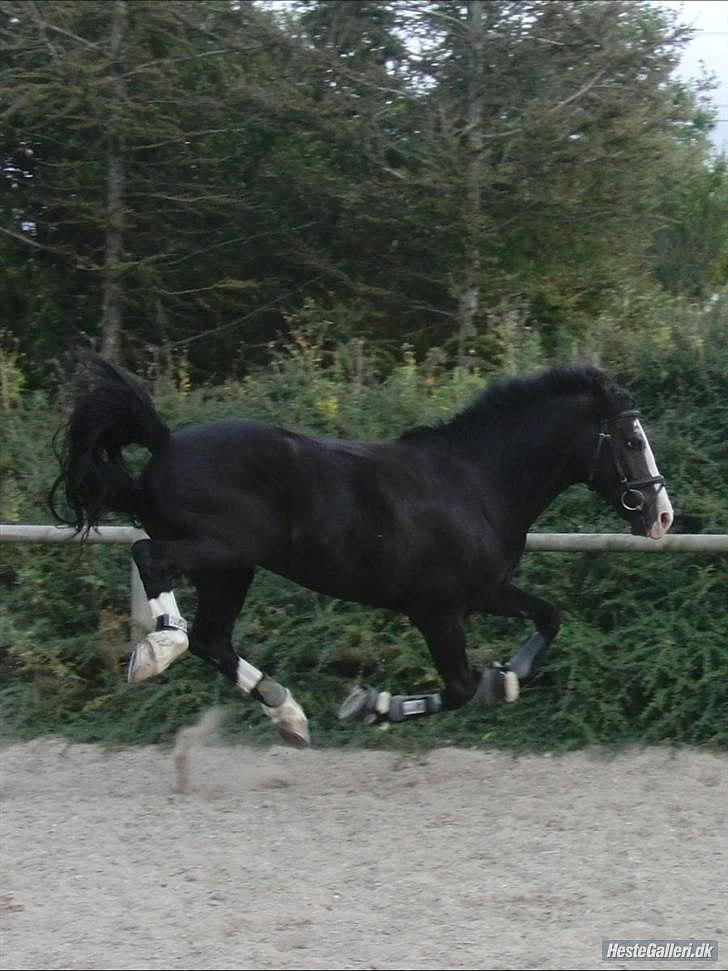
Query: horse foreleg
{"x": 367, "y": 704}
{"x": 502, "y": 682}
{"x": 445, "y": 638}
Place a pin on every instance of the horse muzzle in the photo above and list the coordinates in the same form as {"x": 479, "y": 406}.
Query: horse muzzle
{"x": 651, "y": 518}
{"x": 662, "y": 524}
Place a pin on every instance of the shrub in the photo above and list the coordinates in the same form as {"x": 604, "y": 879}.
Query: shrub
{"x": 641, "y": 655}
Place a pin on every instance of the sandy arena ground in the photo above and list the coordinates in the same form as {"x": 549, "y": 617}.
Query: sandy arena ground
{"x": 330, "y": 859}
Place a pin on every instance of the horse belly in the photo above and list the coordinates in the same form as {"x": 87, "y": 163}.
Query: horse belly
{"x": 387, "y": 569}
{"x": 337, "y": 576}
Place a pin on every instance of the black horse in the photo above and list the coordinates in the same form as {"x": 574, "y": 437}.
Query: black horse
{"x": 432, "y": 523}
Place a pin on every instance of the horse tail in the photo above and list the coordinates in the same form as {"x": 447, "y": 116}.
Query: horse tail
{"x": 94, "y": 477}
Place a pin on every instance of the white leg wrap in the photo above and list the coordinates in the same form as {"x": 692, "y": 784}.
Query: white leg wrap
{"x": 512, "y": 686}
{"x": 161, "y": 647}
{"x": 165, "y": 605}
{"x": 249, "y": 677}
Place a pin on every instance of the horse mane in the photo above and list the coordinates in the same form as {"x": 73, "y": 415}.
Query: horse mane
{"x": 510, "y": 395}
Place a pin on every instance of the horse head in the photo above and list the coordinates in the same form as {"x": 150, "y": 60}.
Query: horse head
{"x": 623, "y": 470}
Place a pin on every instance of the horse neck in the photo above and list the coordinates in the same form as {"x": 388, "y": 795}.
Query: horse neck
{"x": 536, "y": 455}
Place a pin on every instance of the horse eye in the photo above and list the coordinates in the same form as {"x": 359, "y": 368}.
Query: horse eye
{"x": 635, "y": 443}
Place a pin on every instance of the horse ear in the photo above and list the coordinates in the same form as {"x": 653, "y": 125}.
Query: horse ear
{"x": 610, "y": 397}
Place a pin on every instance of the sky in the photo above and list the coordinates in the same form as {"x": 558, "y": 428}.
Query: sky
{"x": 709, "y": 46}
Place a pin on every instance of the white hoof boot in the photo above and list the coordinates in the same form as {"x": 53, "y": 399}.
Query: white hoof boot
{"x": 155, "y": 653}
{"x": 290, "y": 721}
{"x": 512, "y": 686}
{"x": 497, "y": 684}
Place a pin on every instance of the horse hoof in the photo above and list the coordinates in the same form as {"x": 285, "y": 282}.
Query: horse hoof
{"x": 360, "y": 705}
{"x": 497, "y": 684}
{"x": 294, "y": 738}
{"x": 290, "y": 722}
{"x": 155, "y": 653}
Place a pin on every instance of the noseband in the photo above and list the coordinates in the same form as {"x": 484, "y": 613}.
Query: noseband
{"x": 630, "y": 487}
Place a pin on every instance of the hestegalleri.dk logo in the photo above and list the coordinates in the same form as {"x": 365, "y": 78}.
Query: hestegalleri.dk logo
{"x": 665, "y": 950}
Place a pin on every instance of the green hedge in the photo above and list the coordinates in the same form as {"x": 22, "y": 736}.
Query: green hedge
{"x": 643, "y": 653}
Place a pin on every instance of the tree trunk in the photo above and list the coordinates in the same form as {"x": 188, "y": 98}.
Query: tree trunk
{"x": 469, "y": 298}
{"x": 112, "y": 306}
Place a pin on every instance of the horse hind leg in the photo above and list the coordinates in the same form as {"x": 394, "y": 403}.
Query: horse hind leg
{"x": 169, "y": 639}
{"x": 221, "y": 596}
{"x": 222, "y": 586}
{"x": 158, "y": 562}
{"x": 276, "y": 702}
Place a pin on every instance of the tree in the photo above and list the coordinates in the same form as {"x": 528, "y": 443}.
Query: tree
{"x": 691, "y": 245}
{"x": 557, "y": 123}
{"x": 184, "y": 177}
{"x": 143, "y": 125}
{"x": 111, "y": 313}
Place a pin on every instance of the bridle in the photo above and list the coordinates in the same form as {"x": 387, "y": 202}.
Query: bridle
{"x": 630, "y": 487}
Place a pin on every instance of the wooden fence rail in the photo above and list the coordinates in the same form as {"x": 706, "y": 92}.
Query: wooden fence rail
{"x": 541, "y": 542}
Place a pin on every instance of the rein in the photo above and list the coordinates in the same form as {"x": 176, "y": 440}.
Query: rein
{"x": 631, "y": 487}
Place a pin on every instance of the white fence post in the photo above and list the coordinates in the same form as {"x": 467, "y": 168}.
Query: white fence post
{"x": 140, "y": 616}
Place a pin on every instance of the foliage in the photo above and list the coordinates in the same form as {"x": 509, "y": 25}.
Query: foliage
{"x": 266, "y": 161}
{"x": 641, "y": 655}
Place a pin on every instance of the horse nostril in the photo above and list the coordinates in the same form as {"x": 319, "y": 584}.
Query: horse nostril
{"x": 665, "y": 520}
